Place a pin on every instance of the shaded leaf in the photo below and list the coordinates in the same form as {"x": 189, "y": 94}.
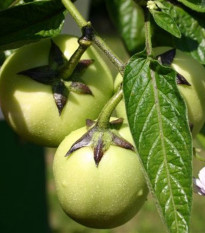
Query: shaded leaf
{"x": 159, "y": 125}
{"x": 128, "y": 17}
{"x": 166, "y": 22}
{"x": 197, "y": 5}
{"x": 5, "y": 4}
{"x": 192, "y": 30}
{"x": 29, "y": 22}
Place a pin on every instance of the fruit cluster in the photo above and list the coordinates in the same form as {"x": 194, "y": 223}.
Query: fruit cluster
{"x": 99, "y": 179}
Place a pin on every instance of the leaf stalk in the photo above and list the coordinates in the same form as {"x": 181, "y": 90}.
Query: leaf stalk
{"x": 109, "y": 53}
{"x": 148, "y": 35}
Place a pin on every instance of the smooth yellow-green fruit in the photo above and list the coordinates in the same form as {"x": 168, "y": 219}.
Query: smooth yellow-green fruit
{"x": 193, "y": 95}
{"x": 29, "y": 106}
{"x": 100, "y": 197}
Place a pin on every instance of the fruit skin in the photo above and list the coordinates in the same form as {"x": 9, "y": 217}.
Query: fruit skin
{"x": 193, "y": 95}
{"x": 100, "y": 197}
{"x": 29, "y": 106}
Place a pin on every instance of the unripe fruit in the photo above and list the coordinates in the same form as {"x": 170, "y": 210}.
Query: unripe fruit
{"x": 103, "y": 196}
{"x": 29, "y": 106}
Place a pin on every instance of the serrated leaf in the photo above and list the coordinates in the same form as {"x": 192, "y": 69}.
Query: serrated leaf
{"x": 193, "y": 32}
{"x": 166, "y": 22}
{"x": 197, "y": 5}
{"x": 30, "y": 22}
{"x": 128, "y": 18}
{"x": 158, "y": 122}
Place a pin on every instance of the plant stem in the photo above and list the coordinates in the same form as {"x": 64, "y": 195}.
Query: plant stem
{"x": 112, "y": 57}
{"x": 104, "y": 117}
{"x": 148, "y": 41}
{"x": 14, "y": 3}
{"x": 81, "y": 22}
{"x": 96, "y": 39}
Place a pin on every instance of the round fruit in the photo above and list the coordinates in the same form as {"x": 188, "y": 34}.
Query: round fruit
{"x": 29, "y": 106}
{"x": 193, "y": 95}
{"x": 103, "y": 196}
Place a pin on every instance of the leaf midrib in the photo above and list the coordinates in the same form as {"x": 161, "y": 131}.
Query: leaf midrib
{"x": 156, "y": 97}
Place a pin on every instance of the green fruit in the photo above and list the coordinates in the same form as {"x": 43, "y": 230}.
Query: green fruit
{"x": 103, "y": 196}
{"x": 193, "y": 95}
{"x": 29, "y": 106}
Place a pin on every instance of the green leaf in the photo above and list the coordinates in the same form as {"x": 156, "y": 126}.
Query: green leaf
{"x": 197, "y": 5}
{"x": 30, "y": 22}
{"x": 158, "y": 122}
{"x": 128, "y": 18}
{"x": 193, "y": 32}
{"x": 5, "y": 3}
{"x": 166, "y": 21}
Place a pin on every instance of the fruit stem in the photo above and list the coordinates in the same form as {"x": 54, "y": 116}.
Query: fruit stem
{"x": 81, "y": 22}
{"x": 84, "y": 42}
{"x": 109, "y": 53}
{"x": 104, "y": 117}
{"x": 148, "y": 41}
{"x": 75, "y": 13}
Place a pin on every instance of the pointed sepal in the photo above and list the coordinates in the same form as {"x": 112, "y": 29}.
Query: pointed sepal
{"x": 89, "y": 123}
{"x": 56, "y": 57}
{"x": 121, "y": 142}
{"x": 117, "y": 121}
{"x": 181, "y": 80}
{"x": 41, "y": 74}
{"x": 98, "y": 151}
{"x": 60, "y": 94}
{"x": 100, "y": 141}
{"x": 83, "y": 65}
{"x": 116, "y": 124}
{"x": 167, "y": 57}
{"x": 85, "y": 140}
{"x": 80, "y": 69}
{"x": 80, "y": 88}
